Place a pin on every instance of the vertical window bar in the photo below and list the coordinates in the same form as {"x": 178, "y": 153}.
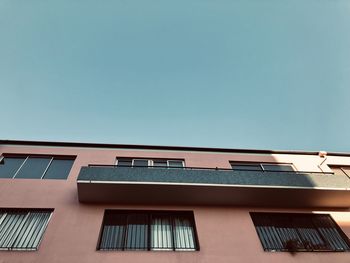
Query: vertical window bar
{"x": 300, "y": 232}
{"x": 47, "y": 167}
{"x": 40, "y": 224}
{"x": 2, "y": 217}
{"x": 329, "y": 231}
{"x": 21, "y": 237}
{"x": 125, "y": 232}
{"x": 103, "y": 238}
{"x": 23, "y": 229}
{"x": 309, "y": 234}
{"x": 173, "y": 231}
{"x": 262, "y": 167}
{"x": 150, "y": 231}
{"x": 16, "y": 222}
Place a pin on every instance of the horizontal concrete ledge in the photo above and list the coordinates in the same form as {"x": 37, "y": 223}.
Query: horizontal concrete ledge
{"x": 212, "y": 187}
{"x": 186, "y": 194}
{"x": 217, "y": 185}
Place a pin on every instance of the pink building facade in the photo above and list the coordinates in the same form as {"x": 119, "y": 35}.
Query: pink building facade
{"x": 236, "y": 205}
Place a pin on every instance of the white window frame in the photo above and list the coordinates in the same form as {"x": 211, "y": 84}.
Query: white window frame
{"x": 182, "y": 161}
{"x": 261, "y": 164}
{"x": 281, "y": 164}
{"x": 150, "y": 162}
{"x": 141, "y": 159}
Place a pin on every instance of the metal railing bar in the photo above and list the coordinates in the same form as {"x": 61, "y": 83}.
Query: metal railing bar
{"x": 205, "y": 168}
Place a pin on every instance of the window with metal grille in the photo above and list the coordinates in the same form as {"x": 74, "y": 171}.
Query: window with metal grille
{"x": 299, "y": 232}
{"x": 22, "y": 229}
{"x": 36, "y": 167}
{"x": 148, "y": 230}
{"x": 155, "y": 163}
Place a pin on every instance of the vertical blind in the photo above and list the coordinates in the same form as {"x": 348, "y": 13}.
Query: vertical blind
{"x": 299, "y": 232}
{"x": 140, "y": 230}
{"x": 22, "y": 229}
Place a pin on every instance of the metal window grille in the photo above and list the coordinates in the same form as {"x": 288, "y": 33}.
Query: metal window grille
{"x": 22, "y": 229}
{"x": 299, "y": 232}
{"x": 155, "y": 230}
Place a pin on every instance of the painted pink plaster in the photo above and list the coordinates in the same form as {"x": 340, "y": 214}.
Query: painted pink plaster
{"x": 226, "y": 234}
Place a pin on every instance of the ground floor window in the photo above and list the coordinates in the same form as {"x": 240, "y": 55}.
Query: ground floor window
{"x": 148, "y": 230}
{"x": 299, "y": 232}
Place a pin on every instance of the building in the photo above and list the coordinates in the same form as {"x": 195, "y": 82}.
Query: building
{"x": 84, "y": 202}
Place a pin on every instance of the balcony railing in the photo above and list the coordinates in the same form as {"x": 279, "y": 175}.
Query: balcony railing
{"x": 205, "y": 168}
{"x": 211, "y": 186}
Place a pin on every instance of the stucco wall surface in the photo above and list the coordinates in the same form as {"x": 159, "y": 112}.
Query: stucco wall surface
{"x": 226, "y": 234}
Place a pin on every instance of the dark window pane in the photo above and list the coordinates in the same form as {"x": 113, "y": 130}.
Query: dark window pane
{"x": 10, "y": 166}
{"x": 137, "y": 232}
{"x": 142, "y": 230}
{"x": 160, "y": 163}
{"x": 140, "y": 162}
{"x": 278, "y": 167}
{"x": 30, "y": 234}
{"x": 176, "y": 164}
{"x": 184, "y": 234}
{"x": 33, "y": 168}
{"x": 124, "y": 162}
{"x": 331, "y": 233}
{"x": 113, "y": 234}
{"x": 161, "y": 233}
{"x": 346, "y": 170}
{"x": 246, "y": 167}
{"x": 59, "y": 169}
{"x": 299, "y": 232}
{"x": 308, "y": 233}
{"x": 338, "y": 171}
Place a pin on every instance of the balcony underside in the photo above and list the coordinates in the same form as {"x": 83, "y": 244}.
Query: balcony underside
{"x": 211, "y": 187}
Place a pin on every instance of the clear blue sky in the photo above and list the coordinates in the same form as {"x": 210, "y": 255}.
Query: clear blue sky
{"x": 269, "y": 74}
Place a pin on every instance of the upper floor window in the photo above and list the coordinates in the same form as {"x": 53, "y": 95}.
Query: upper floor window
{"x": 36, "y": 167}
{"x": 268, "y": 167}
{"x": 148, "y": 230}
{"x": 159, "y": 163}
{"x": 299, "y": 232}
{"x": 22, "y": 229}
{"x": 340, "y": 169}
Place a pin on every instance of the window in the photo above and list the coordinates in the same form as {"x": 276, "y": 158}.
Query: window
{"x": 340, "y": 170}
{"x": 36, "y": 167}
{"x": 148, "y": 230}
{"x": 299, "y": 232}
{"x": 156, "y": 163}
{"x": 22, "y": 229}
{"x": 264, "y": 167}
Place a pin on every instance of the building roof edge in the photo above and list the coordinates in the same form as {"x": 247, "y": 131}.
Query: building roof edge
{"x": 162, "y": 147}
